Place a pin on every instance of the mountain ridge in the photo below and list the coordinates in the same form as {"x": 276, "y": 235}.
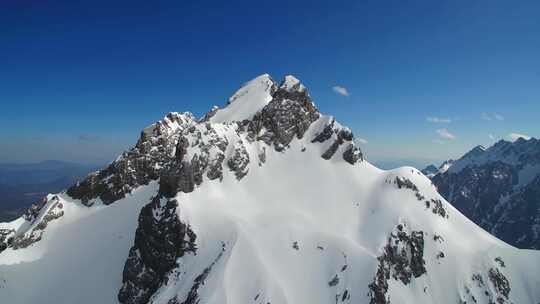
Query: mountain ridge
{"x": 494, "y": 187}
{"x": 278, "y": 207}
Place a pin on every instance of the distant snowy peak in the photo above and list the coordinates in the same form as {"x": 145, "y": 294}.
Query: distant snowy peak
{"x": 445, "y": 166}
{"x": 497, "y": 188}
{"x": 520, "y": 153}
{"x": 430, "y": 171}
{"x": 475, "y": 152}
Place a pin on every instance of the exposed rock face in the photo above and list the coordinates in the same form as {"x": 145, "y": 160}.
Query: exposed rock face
{"x": 159, "y": 241}
{"x": 6, "y": 238}
{"x": 499, "y": 189}
{"x": 435, "y": 205}
{"x": 353, "y": 154}
{"x": 289, "y": 114}
{"x": 53, "y": 210}
{"x": 239, "y": 161}
{"x": 402, "y": 259}
{"x": 33, "y": 211}
{"x": 162, "y": 150}
{"x": 137, "y": 166}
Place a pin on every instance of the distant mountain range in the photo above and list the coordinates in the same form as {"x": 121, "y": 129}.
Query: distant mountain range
{"x": 498, "y": 188}
{"x": 24, "y": 184}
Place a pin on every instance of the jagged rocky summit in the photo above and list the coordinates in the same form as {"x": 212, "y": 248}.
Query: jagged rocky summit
{"x": 499, "y": 189}
{"x": 266, "y": 200}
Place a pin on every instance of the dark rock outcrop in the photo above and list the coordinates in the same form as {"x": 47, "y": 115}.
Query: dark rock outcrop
{"x": 436, "y": 205}
{"x": 6, "y": 238}
{"x": 353, "y": 154}
{"x": 288, "y": 115}
{"x": 139, "y": 165}
{"x": 402, "y": 259}
{"x": 161, "y": 238}
{"x": 239, "y": 160}
{"x": 493, "y": 286}
{"x": 54, "y": 211}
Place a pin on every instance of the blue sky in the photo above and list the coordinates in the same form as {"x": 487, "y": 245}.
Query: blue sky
{"x": 427, "y": 80}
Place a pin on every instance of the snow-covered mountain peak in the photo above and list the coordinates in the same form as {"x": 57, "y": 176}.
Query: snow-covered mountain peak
{"x": 291, "y": 83}
{"x": 248, "y": 100}
{"x": 476, "y": 151}
{"x": 522, "y": 152}
{"x": 274, "y": 204}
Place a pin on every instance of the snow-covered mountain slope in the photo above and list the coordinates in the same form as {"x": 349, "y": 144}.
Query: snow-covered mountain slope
{"x": 499, "y": 189}
{"x": 271, "y": 204}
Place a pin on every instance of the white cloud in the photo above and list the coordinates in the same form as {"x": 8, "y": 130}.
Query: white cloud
{"x": 341, "y": 90}
{"x": 434, "y": 119}
{"x": 485, "y": 116}
{"x": 494, "y": 116}
{"x": 491, "y": 136}
{"x": 516, "y": 136}
{"x": 444, "y": 133}
{"x": 360, "y": 140}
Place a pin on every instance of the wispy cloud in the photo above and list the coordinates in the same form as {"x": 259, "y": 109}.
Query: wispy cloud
{"x": 341, "y": 90}
{"x": 491, "y": 136}
{"x": 444, "y": 133}
{"x": 435, "y": 119}
{"x": 494, "y": 116}
{"x": 516, "y": 136}
{"x": 360, "y": 140}
{"x": 88, "y": 137}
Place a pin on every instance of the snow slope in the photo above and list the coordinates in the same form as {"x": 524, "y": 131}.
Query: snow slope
{"x": 288, "y": 223}
{"x": 249, "y": 99}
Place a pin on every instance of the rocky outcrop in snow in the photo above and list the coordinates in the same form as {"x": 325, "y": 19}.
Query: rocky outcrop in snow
{"x": 160, "y": 240}
{"x": 402, "y": 259}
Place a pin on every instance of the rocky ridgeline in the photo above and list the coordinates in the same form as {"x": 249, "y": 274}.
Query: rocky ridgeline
{"x": 182, "y": 151}
{"x": 402, "y": 260}
{"x": 185, "y": 153}
{"x": 138, "y": 166}
{"x": 39, "y": 216}
{"x": 435, "y": 205}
